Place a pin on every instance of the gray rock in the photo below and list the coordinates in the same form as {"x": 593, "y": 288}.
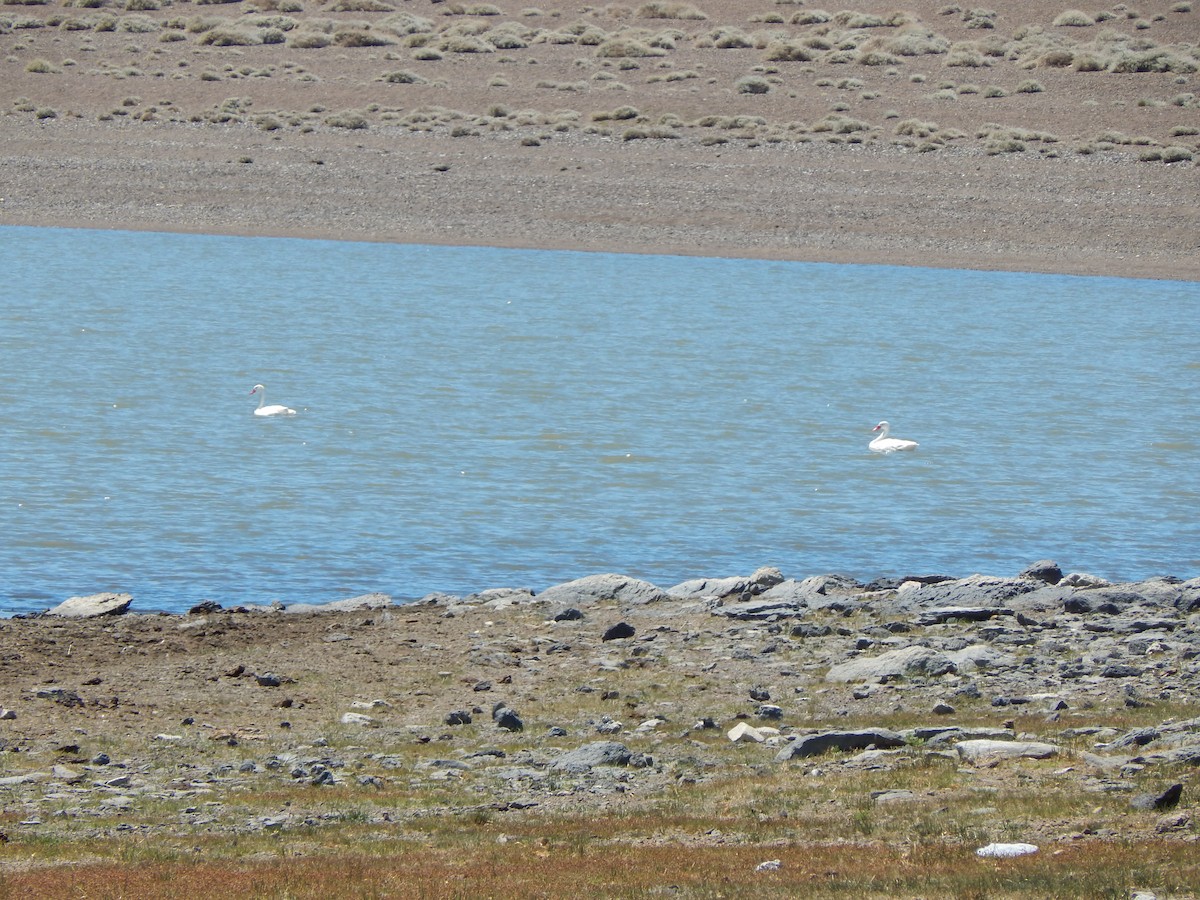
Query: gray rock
{"x": 696, "y": 588}
{"x": 763, "y": 578}
{"x": 587, "y": 757}
{"x": 502, "y": 598}
{"x": 892, "y": 796}
{"x": 507, "y": 718}
{"x": 1161, "y": 801}
{"x": 61, "y": 696}
{"x": 981, "y": 750}
{"x": 93, "y": 605}
{"x": 1109, "y": 601}
{"x": 975, "y": 591}
{"x": 907, "y": 661}
{"x": 1043, "y": 570}
{"x": 364, "y": 601}
{"x": 817, "y": 744}
{"x": 599, "y": 588}
{"x": 619, "y": 631}
{"x": 458, "y": 717}
{"x": 961, "y": 614}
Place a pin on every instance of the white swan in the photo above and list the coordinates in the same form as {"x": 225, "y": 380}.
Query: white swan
{"x": 885, "y": 444}
{"x": 275, "y": 410}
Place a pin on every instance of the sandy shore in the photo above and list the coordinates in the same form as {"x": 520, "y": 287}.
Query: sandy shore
{"x": 812, "y": 202}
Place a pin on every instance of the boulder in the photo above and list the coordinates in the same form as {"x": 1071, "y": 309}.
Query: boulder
{"x": 364, "y": 601}
{"x": 92, "y": 606}
{"x": 975, "y": 591}
{"x": 1109, "y": 601}
{"x": 743, "y": 732}
{"x": 1044, "y": 570}
{"x": 962, "y": 614}
{"x": 981, "y": 750}
{"x": 907, "y": 661}
{"x": 762, "y": 579}
{"x": 597, "y": 753}
{"x": 618, "y": 632}
{"x": 817, "y": 744}
{"x": 1006, "y": 851}
{"x": 1163, "y": 800}
{"x": 598, "y": 588}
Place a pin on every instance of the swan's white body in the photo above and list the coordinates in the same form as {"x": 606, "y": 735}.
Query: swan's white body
{"x": 274, "y": 410}
{"x": 885, "y": 444}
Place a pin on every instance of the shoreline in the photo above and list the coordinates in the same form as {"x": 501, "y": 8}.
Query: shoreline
{"x": 852, "y": 205}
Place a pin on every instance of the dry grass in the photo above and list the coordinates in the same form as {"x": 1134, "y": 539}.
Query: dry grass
{"x": 591, "y": 859}
{"x": 422, "y": 809}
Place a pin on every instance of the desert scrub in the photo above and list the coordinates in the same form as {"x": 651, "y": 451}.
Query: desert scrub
{"x": 620, "y": 114}
{"x": 309, "y": 40}
{"x": 915, "y": 128}
{"x": 788, "y": 51}
{"x": 1074, "y": 18}
{"x": 1173, "y": 154}
{"x": 41, "y": 67}
{"x": 752, "y": 84}
{"x": 230, "y": 37}
{"x": 360, "y": 37}
{"x": 350, "y": 119}
{"x": 362, "y": 6}
{"x": 1029, "y": 87}
{"x": 616, "y": 48}
{"x": 839, "y": 124}
{"x": 402, "y": 76}
{"x": 660, "y": 10}
{"x": 728, "y": 38}
{"x": 402, "y": 24}
{"x": 648, "y": 132}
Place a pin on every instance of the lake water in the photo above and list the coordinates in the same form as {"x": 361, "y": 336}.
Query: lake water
{"x": 476, "y": 418}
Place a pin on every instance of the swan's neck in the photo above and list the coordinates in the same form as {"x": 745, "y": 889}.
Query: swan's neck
{"x": 883, "y": 432}
{"x": 262, "y": 398}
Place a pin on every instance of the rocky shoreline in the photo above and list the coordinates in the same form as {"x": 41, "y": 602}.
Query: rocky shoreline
{"x": 606, "y": 692}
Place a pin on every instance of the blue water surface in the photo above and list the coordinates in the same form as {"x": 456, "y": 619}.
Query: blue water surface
{"x": 474, "y": 418}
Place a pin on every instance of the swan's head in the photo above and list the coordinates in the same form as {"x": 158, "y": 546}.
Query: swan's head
{"x": 257, "y": 388}
{"x": 882, "y": 426}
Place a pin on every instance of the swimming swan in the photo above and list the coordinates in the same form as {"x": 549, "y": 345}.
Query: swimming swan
{"x": 275, "y": 410}
{"x": 885, "y": 444}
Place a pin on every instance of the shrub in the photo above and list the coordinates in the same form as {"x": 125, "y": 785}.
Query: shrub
{"x": 402, "y": 77}
{"x": 618, "y": 47}
{"x": 752, "y": 84}
{"x": 661, "y": 10}
{"x": 230, "y": 37}
{"x": 351, "y": 120}
{"x": 915, "y": 128}
{"x": 41, "y": 67}
{"x": 1059, "y": 58}
{"x": 1074, "y": 18}
{"x": 1176, "y": 154}
{"x": 730, "y": 39}
{"x": 1007, "y": 145}
{"x": 361, "y": 38}
{"x": 1029, "y": 87}
{"x": 810, "y": 17}
{"x": 309, "y": 40}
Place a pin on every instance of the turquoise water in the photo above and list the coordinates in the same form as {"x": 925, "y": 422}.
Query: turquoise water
{"x": 475, "y": 418}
